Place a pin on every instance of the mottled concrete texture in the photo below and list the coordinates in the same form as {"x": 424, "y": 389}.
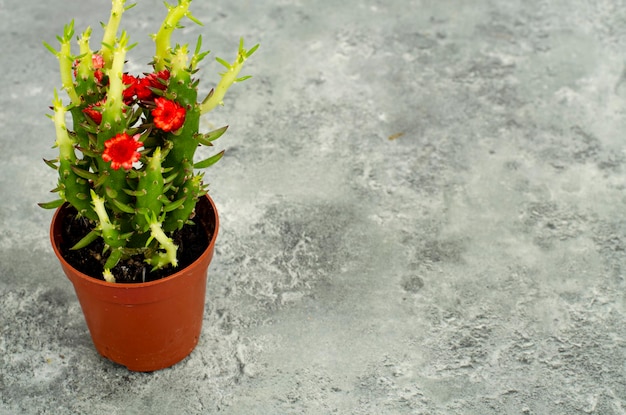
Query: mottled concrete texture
{"x": 422, "y": 205}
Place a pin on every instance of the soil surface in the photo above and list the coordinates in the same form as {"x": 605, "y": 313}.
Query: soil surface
{"x": 191, "y": 240}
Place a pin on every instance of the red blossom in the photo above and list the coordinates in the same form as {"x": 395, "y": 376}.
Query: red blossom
{"x": 142, "y": 89}
{"x": 121, "y": 151}
{"x": 94, "y": 111}
{"x": 145, "y": 85}
{"x": 159, "y": 79}
{"x": 168, "y": 115}
{"x": 97, "y": 62}
{"x": 131, "y": 88}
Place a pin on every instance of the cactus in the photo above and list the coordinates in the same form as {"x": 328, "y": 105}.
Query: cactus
{"x": 128, "y": 164}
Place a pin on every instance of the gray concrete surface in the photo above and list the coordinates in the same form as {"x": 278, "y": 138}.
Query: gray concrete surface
{"x": 422, "y": 209}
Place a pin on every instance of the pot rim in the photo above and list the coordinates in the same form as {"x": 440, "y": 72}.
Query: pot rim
{"x": 138, "y": 285}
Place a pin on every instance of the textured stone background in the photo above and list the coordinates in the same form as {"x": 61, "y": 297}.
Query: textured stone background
{"x": 422, "y": 208}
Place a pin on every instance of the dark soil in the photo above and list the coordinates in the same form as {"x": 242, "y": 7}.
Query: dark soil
{"x": 191, "y": 240}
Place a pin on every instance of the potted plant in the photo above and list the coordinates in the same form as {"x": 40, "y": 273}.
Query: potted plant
{"x": 134, "y": 228}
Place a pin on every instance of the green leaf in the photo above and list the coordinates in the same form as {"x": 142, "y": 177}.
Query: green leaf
{"x": 252, "y": 50}
{"x": 113, "y": 259}
{"x": 126, "y": 236}
{"x": 143, "y": 211}
{"x": 174, "y": 205}
{"x": 89, "y": 238}
{"x": 198, "y": 55}
{"x": 101, "y": 180}
{"x": 223, "y": 62}
{"x": 169, "y": 179}
{"x": 52, "y": 205}
{"x": 138, "y": 192}
{"x": 209, "y": 95}
{"x": 193, "y": 19}
{"x": 206, "y": 139}
{"x": 51, "y": 163}
{"x": 123, "y": 207}
{"x": 209, "y": 161}
{"x": 111, "y": 193}
{"x": 84, "y": 173}
{"x": 168, "y": 186}
{"x": 51, "y": 49}
{"x": 89, "y": 153}
{"x": 198, "y": 45}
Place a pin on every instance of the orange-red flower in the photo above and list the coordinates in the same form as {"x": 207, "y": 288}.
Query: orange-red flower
{"x": 131, "y": 88}
{"x": 144, "y": 86}
{"x": 94, "y": 111}
{"x": 168, "y": 115}
{"x": 121, "y": 151}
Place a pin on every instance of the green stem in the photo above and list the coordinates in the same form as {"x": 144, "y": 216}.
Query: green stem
{"x": 108, "y": 275}
{"x": 229, "y": 77}
{"x": 85, "y": 70}
{"x": 163, "y": 36}
{"x": 110, "y": 233}
{"x": 113, "y": 123}
{"x": 110, "y": 31}
{"x": 149, "y": 187}
{"x": 66, "y": 60}
{"x": 116, "y": 86}
{"x": 166, "y": 243}
{"x": 73, "y": 188}
{"x": 63, "y": 141}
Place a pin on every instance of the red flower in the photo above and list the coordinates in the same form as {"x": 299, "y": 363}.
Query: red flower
{"x": 93, "y": 113}
{"x": 97, "y": 62}
{"x": 168, "y": 115}
{"x": 121, "y": 151}
{"x": 158, "y": 80}
{"x": 131, "y": 83}
{"x": 145, "y": 85}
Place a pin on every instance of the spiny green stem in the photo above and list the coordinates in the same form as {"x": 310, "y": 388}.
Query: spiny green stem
{"x": 110, "y": 32}
{"x": 113, "y": 106}
{"x": 66, "y": 60}
{"x": 110, "y": 233}
{"x": 114, "y": 123}
{"x": 149, "y": 188}
{"x": 63, "y": 141}
{"x": 228, "y": 78}
{"x": 190, "y": 191}
{"x": 72, "y": 188}
{"x": 183, "y": 142}
{"x": 163, "y": 36}
{"x": 85, "y": 70}
{"x": 166, "y": 243}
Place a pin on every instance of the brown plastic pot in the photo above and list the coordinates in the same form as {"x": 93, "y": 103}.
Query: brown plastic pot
{"x": 144, "y": 326}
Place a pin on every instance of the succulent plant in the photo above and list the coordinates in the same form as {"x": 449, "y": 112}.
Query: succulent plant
{"x": 127, "y": 165}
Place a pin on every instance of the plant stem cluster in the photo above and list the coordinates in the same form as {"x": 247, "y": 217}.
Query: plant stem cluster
{"x": 127, "y": 164}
